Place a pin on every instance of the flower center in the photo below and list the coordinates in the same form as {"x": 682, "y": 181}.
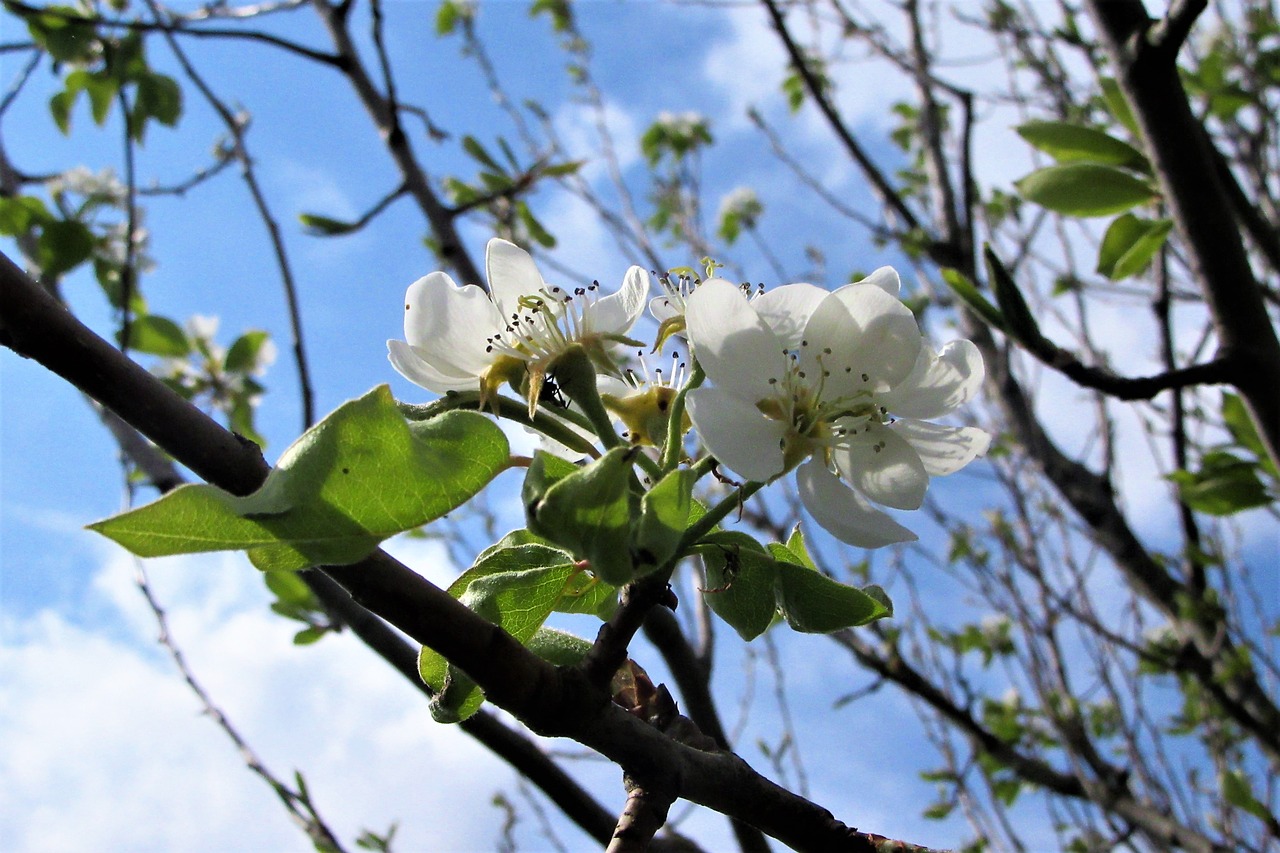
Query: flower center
{"x": 819, "y": 417}
{"x": 546, "y": 324}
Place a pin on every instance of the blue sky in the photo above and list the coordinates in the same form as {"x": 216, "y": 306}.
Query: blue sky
{"x": 111, "y": 746}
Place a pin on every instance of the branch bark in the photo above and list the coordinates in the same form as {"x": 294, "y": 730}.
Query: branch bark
{"x": 1144, "y": 54}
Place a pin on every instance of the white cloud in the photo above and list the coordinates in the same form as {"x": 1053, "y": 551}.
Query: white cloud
{"x": 106, "y": 748}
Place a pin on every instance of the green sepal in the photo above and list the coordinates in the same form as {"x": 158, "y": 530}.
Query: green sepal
{"x": 359, "y": 476}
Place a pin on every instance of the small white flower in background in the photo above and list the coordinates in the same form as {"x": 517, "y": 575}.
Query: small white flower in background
{"x": 842, "y": 379}
{"x": 462, "y": 338}
{"x": 669, "y": 308}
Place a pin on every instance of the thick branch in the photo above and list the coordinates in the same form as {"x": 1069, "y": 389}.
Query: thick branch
{"x": 1145, "y": 62}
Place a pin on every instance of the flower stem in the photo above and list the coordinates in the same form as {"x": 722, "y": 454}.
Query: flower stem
{"x": 674, "y": 446}
{"x": 715, "y": 515}
{"x": 547, "y": 424}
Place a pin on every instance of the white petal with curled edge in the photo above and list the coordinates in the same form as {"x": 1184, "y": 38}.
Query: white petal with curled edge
{"x": 939, "y": 383}
{"x": 844, "y": 513}
{"x": 885, "y": 278}
{"x": 511, "y": 273}
{"x": 411, "y": 366}
{"x": 738, "y": 351}
{"x": 449, "y": 326}
{"x": 883, "y": 466}
{"x": 664, "y": 307}
{"x": 618, "y": 312}
{"x": 737, "y": 434}
{"x": 943, "y": 449}
{"x": 787, "y": 309}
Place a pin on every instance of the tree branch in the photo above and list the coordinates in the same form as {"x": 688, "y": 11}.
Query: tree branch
{"x": 1183, "y": 160}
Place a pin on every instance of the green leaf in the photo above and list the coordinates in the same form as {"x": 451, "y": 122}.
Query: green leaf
{"x": 799, "y": 550}
{"x": 537, "y": 233}
{"x": 447, "y": 17}
{"x": 1129, "y": 245}
{"x": 477, "y": 151}
{"x": 589, "y": 512}
{"x": 22, "y": 213}
{"x": 289, "y": 589}
{"x": 1019, "y": 322}
{"x": 962, "y": 286}
{"x": 1225, "y": 484}
{"x": 324, "y": 226}
{"x": 242, "y": 357}
{"x": 1237, "y": 792}
{"x": 559, "y": 647}
{"x": 515, "y": 588}
{"x": 664, "y": 516}
{"x": 1116, "y": 104}
{"x": 159, "y": 97}
{"x": 1084, "y": 189}
{"x": 63, "y": 245}
{"x": 64, "y": 32}
{"x": 357, "y": 477}
{"x": 102, "y": 94}
{"x": 813, "y": 603}
{"x": 740, "y": 581}
{"x": 1241, "y": 426}
{"x": 158, "y": 335}
{"x": 1072, "y": 143}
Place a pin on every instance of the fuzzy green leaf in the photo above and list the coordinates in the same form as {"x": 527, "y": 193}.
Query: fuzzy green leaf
{"x": 740, "y": 580}
{"x": 664, "y": 516}
{"x": 516, "y": 588}
{"x": 813, "y": 603}
{"x": 589, "y": 512}
{"x": 357, "y": 477}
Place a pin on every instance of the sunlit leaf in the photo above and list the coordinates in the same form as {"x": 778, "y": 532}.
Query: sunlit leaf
{"x": 357, "y": 477}
{"x": 1084, "y": 189}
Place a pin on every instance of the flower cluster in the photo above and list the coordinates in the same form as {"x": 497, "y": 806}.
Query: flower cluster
{"x": 839, "y": 386}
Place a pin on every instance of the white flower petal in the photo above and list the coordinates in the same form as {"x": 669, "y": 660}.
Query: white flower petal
{"x": 844, "y": 513}
{"x": 664, "y": 307}
{"x": 449, "y": 325}
{"x": 738, "y": 351}
{"x": 943, "y": 449}
{"x": 511, "y": 273}
{"x": 860, "y": 331}
{"x": 885, "y": 278}
{"x": 409, "y": 364}
{"x": 787, "y": 309}
{"x": 737, "y": 434}
{"x": 883, "y": 466}
{"x": 618, "y": 312}
{"x": 939, "y": 383}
